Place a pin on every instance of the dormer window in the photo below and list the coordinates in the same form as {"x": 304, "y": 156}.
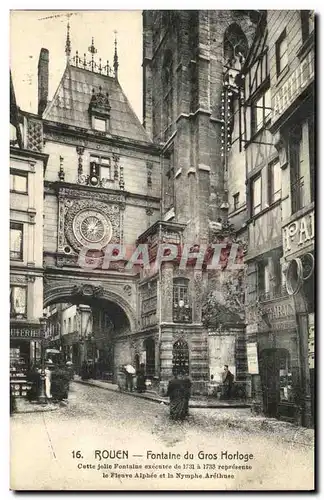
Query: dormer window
{"x": 99, "y": 111}
{"x": 99, "y": 124}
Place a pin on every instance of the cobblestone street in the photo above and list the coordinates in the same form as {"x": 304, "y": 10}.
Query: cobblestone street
{"x": 96, "y": 419}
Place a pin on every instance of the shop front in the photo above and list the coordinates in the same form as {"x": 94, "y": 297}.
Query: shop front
{"x": 25, "y": 350}
{"x": 299, "y": 261}
{"x": 279, "y": 373}
{"x": 273, "y": 357}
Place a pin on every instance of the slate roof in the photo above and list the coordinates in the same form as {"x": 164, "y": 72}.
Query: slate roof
{"x": 71, "y": 102}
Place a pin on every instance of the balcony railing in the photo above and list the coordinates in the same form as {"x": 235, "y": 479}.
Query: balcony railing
{"x": 182, "y": 314}
{"x": 297, "y": 195}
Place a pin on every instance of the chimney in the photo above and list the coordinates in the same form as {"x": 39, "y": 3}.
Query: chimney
{"x": 42, "y": 80}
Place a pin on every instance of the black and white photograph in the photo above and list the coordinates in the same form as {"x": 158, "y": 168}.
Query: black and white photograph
{"x": 162, "y": 250}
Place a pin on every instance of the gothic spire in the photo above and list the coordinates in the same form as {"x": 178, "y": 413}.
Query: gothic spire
{"x": 116, "y": 58}
{"x": 68, "y": 43}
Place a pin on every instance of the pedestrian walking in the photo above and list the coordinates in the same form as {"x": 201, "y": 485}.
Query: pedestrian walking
{"x": 48, "y": 379}
{"x": 140, "y": 382}
{"x": 228, "y": 380}
{"x": 179, "y": 389}
{"x": 130, "y": 372}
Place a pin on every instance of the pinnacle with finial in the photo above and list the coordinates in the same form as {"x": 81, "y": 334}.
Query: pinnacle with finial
{"x": 68, "y": 42}
{"x": 116, "y": 57}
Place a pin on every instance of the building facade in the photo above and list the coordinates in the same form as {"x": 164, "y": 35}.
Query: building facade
{"x": 186, "y": 55}
{"x": 111, "y": 181}
{"x": 27, "y": 170}
{"x": 277, "y": 131}
{"x": 102, "y": 186}
{"x": 224, "y": 157}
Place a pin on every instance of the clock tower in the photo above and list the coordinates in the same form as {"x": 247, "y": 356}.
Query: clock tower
{"x": 102, "y": 186}
{"x": 185, "y": 57}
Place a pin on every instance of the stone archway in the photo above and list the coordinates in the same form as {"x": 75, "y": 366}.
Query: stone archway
{"x": 104, "y": 302}
{"x": 79, "y": 291}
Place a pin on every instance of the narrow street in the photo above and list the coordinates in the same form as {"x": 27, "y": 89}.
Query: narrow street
{"x": 44, "y": 448}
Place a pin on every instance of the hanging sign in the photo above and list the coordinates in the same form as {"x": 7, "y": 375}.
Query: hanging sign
{"x": 298, "y": 234}
{"x": 252, "y": 358}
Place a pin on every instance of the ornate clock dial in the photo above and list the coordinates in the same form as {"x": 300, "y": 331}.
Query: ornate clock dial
{"x": 92, "y": 226}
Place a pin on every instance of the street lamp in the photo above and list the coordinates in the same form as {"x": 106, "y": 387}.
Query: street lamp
{"x": 42, "y": 396}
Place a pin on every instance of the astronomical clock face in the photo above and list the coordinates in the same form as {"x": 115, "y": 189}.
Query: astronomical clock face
{"x": 92, "y": 226}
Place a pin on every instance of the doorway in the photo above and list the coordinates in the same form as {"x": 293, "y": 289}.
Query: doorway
{"x": 149, "y": 346}
{"x": 276, "y": 379}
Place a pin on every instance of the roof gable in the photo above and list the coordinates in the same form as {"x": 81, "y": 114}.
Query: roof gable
{"x": 71, "y": 101}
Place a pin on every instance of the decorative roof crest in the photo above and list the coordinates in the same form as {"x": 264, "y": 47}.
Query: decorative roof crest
{"x": 92, "y": 64}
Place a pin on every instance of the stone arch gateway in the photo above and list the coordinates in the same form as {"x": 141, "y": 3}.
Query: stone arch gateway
{"x": 56, "y": 291}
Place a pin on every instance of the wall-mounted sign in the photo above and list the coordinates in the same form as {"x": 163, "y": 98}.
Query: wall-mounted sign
{"x": 277, "y": 315}
{"x": 293, "y": 86}
{"x": 252, "y": 358}
{"x": 25, "y": 332}
{"x": 298, "y": 234}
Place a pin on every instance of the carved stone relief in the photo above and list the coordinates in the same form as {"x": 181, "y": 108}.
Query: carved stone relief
{"x": 17, "y": 279}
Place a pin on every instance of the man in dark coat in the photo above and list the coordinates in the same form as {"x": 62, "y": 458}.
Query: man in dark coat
{"x": 140, "y": 381}
{"x": 228, "y": 380}
{"x": 179, "y": 394}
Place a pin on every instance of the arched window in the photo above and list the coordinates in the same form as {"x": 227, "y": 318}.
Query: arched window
{"x": 181, "y": 301}
{"x": 180, "y": 357}
{"x": 235, "y": 45}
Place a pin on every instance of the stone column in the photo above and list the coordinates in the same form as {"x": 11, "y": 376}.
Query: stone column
{"x": 166, "y": 291}
{"x": 166, "y": 347}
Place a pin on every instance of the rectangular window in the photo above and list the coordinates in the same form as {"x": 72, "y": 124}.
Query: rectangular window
{"x": 311, "y": 152}
{"x": 18, "y": 301}
{"x": 16, "y": 241}
{"x": 236, "y": 200}
{"x": 180, "y": 294}
{"x": 257, "y": 74}
{"x": 99, "y": 124}
{"x": 277, "y": 274}
{"x": 18, "y": 183}
{"x": 260, "y": 112}
{"x": 169, "y": 184}
{"x": 274, "y": 181}
{"x": 102, "y": 167}
{"x": 263, "y": 279}
{"x": 168, "y": 117}
{"x": 256, "y": 195}
{"x": 281, "y": 53}
{"x": 267, "y": 104}
{"x": 70, "y": 325}
{"x": 64, "y": 326}
{"x": 297, "y": 182}
{"x": 307, "y": 23}
{"x": 181, "y": 306}
{"x": 105, "y": 170}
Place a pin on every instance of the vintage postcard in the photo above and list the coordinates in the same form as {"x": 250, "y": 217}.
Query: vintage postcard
{"x": 162, "y": 311}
